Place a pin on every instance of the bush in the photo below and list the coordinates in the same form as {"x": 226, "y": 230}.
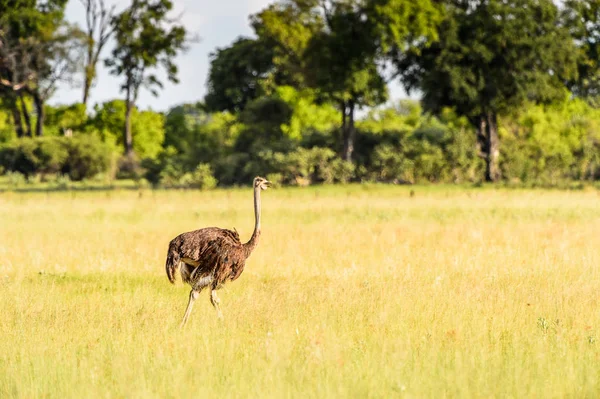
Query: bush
{"x": 16, "y": 179}
{"x": 88, "y": 156}
{"x": 32, "y": 156}
{"x": 233, "y": 169}
{"x": 203, "y": 178}
{"x": 52, "y": 153}
{"x": 308, "y": 166}
{"x": 80, "y": 157}
{"x": 129, "y": 167}
{"x": 19, "y": 156}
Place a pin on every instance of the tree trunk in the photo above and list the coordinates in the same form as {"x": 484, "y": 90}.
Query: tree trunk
{"x": 16, "y": 114}
{"x": 25, "y": 112}
{"x": 489, "y": 141}
{"x": 87, "y": 84}
{"x": 349, "y": 131}
{"x": 86, "y": 90}
{"x": 41, "y": 114}
{"x": 128, "y": 137}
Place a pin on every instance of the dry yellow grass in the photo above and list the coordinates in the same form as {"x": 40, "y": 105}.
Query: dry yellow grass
{"x": 358, "y": 291}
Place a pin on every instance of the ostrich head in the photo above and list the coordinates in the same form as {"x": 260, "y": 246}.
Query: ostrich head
{"x": 261, "y": 183}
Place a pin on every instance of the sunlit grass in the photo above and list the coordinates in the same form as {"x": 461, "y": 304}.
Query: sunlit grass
{"x": 357, "y": 291}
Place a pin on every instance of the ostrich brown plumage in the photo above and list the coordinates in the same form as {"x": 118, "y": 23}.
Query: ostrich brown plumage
{"x": 212, "y": 256}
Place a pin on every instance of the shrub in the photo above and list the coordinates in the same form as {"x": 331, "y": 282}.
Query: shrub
{"x": 203, "y": 178}
{"x": 315, "y": 165}
{"x": 153, "y": 167}
{"x": 88, "y": 156}
{"x": 129, "y": 167}
{"x": 19, "y": 156}
{"x": 80, "y": 157}
{"x": 170, "y": 176}
{"x": 52, "y": 154}
{"x": 236, "y": 168}
{"x": 16, "y": 179}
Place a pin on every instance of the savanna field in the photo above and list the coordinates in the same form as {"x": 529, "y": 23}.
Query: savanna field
{"x": 353, "y": 291}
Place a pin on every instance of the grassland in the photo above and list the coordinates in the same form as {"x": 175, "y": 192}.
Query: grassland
{"x": 358, "y": 291}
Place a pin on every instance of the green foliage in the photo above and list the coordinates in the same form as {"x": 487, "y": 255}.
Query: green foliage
{"x": 492, "y": 55}
{"x": 337, "y": 47}
{"x": 548, "y": 144}
{"x": 79, "y": 157}
{"x": 489, "y": 59}
{"x": 305, "y": 166}
{"x": 149, "y": 132}
{"x": 341, "y": 60}
{"x": 65, "y": 119}
{"x": 238, "y": 74}
{"x": 167, "y": 171}
{"x": 399, "y": 144}
{"x": 307, "y": 116}
{"x": 281, "y": 121}
{"x": 19, "y": 156}
{"x": 201, "y": 178}
{"x": 143, "y": 43}
{"x": 7, "y": 131}
{"x": 39, "y": 49}
{"x": 287, "y": 27}
{"x": 146, "y": 38}
{"x": 203, "y": 138}
{"x": 167, "y": 161}
{"x": 582, "y": 18}
{"x": 403, "y": 24}
{"x": 181, "y": 124}
{"x": 88, "y": 156}
{"x": 274, "y": 101}
{"x": 148, "y": 127}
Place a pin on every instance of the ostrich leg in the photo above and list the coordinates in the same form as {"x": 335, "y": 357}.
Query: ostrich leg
{"x": 214, "y": 299}
{"x": 193, "y": 295}
{"x": 196, "y": 288}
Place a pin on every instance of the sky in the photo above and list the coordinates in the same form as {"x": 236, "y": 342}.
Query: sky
{"x": 217, "y": 22}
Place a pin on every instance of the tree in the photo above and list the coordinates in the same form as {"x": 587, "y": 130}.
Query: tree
{"x": 238, "y": 74}
{"x": 342, "y": 64}
{"x": 12, "y": 79}
{"x": 147, "y": 127}
{"x": 38, "y": 50}
{"x": 492, "y": 56}
{"x": 146, "y": 39}
{"x": 582, "y": 18}
{"x": 338, "y": 47}
{"x": 181, "y": 124}
{"x": 98, "y": 31}
{"x": 55, "y": 59}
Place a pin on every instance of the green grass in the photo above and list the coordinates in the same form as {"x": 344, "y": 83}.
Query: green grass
{"x": 353, "y": 291}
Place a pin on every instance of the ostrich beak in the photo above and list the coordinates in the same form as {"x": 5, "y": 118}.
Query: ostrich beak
{"x": 268, "y": 183}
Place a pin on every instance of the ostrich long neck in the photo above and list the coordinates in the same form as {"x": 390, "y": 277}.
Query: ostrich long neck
{"x": 253, "y": 242}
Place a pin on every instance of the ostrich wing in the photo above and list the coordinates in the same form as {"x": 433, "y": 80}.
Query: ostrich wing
{"x": 213, "y": 251}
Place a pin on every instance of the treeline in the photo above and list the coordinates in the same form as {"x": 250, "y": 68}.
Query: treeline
{"x": 509, "y": 92}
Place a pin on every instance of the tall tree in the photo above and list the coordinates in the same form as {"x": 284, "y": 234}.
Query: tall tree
{"x": 98, "y": 31}
{"x": 338, "y": 47}
{"x": 582, "y": 18}
{"x": 146, "y": 38}
{"x": 492, "y": 56}
{"x": 39, "y": 49}
{"x": 342, "y": 65}
{"x": 55, "y": 59}
{"x": 11, "y": 82}
{"x": 239, "y": 74}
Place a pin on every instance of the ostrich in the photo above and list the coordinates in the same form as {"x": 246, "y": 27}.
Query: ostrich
{"x": 212, "y": 256}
